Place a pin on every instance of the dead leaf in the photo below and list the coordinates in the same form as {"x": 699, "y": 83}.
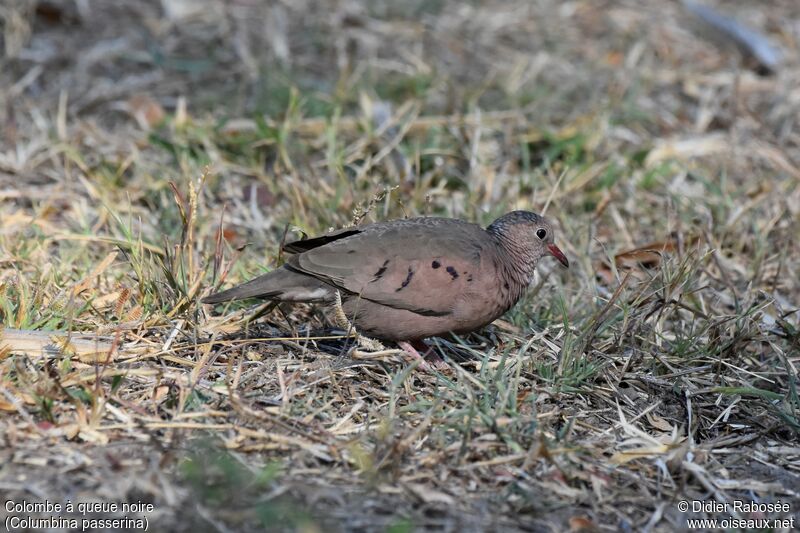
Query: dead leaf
{"x": 147, "y": 112}
{"x": 659, "y": 422}
{"x": 506, "y": 326}
{"x": 87, "y": 282}
{"x": 581, "y": 523}
{"x": 160, "y": 392}
{"x": 645, "y": 257}
{"x": 429, "y": 495}
{"x": 104, "y": 301}
{"x": 71, "y": 430}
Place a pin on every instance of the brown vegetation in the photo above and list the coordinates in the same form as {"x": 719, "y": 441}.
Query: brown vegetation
{"x": 151, "y": 151}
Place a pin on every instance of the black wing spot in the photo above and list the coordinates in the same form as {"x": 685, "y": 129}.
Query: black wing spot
{"x": 381, "y": 271}
{"x": 506, "y": 285}
{"x": 469, "y": 278}
{"x": 430, "y": 312}
{"x": 436, "y": 264}
{"x": 452, "y": 272}
{"x": 405, "y": 281}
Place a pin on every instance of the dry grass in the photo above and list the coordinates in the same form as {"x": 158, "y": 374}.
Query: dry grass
{"x": 148, "y": 157}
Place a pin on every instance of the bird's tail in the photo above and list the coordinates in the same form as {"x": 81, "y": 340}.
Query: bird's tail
{"x": 281, "y": 284}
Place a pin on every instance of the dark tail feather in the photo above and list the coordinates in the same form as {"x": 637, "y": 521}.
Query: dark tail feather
{"x": 282, "y": 284}
{"x": 260, "y": 287}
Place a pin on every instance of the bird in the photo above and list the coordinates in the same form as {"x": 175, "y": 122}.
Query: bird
{"x": 409, "y": 279}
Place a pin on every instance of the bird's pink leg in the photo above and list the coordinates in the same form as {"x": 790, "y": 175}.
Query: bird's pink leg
{"x": 411, "y": 349}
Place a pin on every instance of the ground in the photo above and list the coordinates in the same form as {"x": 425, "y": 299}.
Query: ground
{"x": 151, "y": 152}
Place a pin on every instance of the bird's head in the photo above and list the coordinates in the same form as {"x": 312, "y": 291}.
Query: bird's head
{"x": 524, "y": 232}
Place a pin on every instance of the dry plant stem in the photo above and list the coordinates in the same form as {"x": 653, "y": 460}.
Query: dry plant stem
{"x": 344, "y": 323}
{"x": 375, "y": 349}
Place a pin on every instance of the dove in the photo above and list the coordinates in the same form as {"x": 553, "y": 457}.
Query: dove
{"x": 409, "y": 279}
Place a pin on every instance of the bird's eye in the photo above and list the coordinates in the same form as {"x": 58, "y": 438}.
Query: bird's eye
{"x": 541, "y": 233}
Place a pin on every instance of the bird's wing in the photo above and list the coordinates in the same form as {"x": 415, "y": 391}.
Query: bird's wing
{"x": 305, "y": 245}
{"x": 422, "y": 265}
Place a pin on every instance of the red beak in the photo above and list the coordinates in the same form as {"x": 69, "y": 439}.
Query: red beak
{"x": 556, "y": 252}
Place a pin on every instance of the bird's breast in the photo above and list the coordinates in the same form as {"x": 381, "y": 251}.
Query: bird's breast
{"x": 488, "y": 300}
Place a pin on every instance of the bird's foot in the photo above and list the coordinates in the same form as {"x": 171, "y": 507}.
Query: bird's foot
{"x": 429, "y": 358}
{"x": 410, "y": 350}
